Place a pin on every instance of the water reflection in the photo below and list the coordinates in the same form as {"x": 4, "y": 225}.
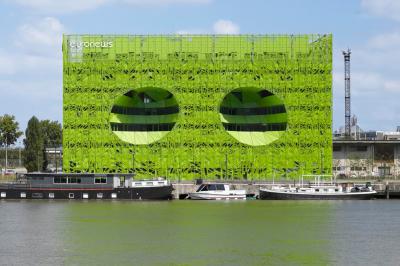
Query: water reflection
{"x": 198, "y": 233}
{"x": 366, "y": 233}
{"x": 31, "y": 233}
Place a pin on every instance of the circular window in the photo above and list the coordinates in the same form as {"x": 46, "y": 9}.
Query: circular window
{"x": 253, "y": 116}
{"x": 144, "y": 116}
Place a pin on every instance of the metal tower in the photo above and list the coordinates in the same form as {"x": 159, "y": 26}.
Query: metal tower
{"x": 347, "y": 103}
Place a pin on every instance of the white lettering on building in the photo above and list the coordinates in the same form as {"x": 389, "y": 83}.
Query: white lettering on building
{"x": 99, "y": 44}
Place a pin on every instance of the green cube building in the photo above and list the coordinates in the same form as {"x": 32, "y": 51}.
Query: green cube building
{"x": 198, "y": 106}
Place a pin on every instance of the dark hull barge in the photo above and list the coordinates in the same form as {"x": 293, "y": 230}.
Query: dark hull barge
{"x": 274, "y": 195}
{"x": 318, "y": 191}
{"x": 86, "y": 186}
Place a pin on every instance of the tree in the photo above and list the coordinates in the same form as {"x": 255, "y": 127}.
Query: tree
{"x": 52, "y": 137}
{"x": 34, "y": 146}
{"x": 9, "y": 132}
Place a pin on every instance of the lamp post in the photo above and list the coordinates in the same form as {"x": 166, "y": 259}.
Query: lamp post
{"x": 226, "y": 166}
{"x": 133, "y": 162}
{"x": 55, "y": 155}
{"x": 37, "y": 160}
{"x": 6, "y": 144}
{"x": 19, "y": 153}
{"x": 322, "y": 162}
{"x": 133, "y": 159}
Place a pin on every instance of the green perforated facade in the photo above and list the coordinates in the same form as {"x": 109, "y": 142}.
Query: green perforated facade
{"x": 198, "y": 106}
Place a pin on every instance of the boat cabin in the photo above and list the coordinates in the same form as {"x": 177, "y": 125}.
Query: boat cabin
{"x": 213, "y": 187}
{"x": 78, "y": 180}
{"x": 51, "y": 180}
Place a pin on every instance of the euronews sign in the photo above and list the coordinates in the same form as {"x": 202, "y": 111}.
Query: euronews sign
{"x": 90, "y": 44}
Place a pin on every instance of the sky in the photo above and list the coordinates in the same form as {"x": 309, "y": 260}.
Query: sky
{"x": 31, "y": 34}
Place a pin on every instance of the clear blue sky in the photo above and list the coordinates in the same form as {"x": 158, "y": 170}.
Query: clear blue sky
{"x": 31, "y": 30}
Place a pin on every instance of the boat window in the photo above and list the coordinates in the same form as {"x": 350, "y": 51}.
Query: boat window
{"x": 212, "y": 187}
{"x": 149, "y": 183}
{"x": 73, "y": 180}
{"x": 23, "y": 194}
{"x": 71, "y": 195}
{"x": 113, "y": 195}
{"x": 59, "y": 180}
{"x": 336, "y": 189}
{"x": 3, "y": 194}
{"x": 161, "y": 182}
{"x": 99, "y": 195}
{"x": 85, "y": 195}
{"x": 202, "y": 188}
{"x": 100, "y": 180}
{"x": 138, "y": 183}
{"x": 317, "y": 190}
{"x": 220, "y": 187}
{"x": 51, "y": 195}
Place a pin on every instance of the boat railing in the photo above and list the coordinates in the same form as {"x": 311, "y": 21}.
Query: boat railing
{"x": 318, "y": 180}
{"x": 149, "y": 183}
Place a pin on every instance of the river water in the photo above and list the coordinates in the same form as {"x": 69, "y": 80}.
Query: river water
{"x": 200, "y": 232}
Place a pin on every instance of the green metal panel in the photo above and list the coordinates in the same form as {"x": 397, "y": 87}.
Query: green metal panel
{"x": 198, "y": 106}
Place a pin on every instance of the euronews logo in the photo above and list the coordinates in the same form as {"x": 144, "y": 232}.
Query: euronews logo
{"x": 95, "y": 44}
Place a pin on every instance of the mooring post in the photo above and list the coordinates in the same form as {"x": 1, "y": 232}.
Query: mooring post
{"x": 387, "y": 189}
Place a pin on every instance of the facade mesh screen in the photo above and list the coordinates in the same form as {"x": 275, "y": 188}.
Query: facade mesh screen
{"x": 201, "y": 106}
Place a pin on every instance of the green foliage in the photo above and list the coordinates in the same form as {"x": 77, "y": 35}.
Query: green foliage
{"x": 9, "y": 130}
{"x": 13, "y": 156}
{"x": 199, "y": 71}
{"x": 52, "y": 137}
{"x": 52, "y": 133}
{"x": 34, "y": 146}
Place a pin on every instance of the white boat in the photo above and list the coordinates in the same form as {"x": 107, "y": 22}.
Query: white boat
{"x": 318, "y": 191}
{"x": 215, "y": 191}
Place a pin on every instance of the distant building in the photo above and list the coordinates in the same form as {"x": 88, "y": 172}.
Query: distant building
{"x": 54, "y": 159}
{"x": 367, "y": 154}
{"x": 366, "y": 158}
{"x": 355, "y": 130}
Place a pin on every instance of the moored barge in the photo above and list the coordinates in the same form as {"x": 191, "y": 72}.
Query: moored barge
{"x": 86, "y": 186}
{"x": 318, "y": 191}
